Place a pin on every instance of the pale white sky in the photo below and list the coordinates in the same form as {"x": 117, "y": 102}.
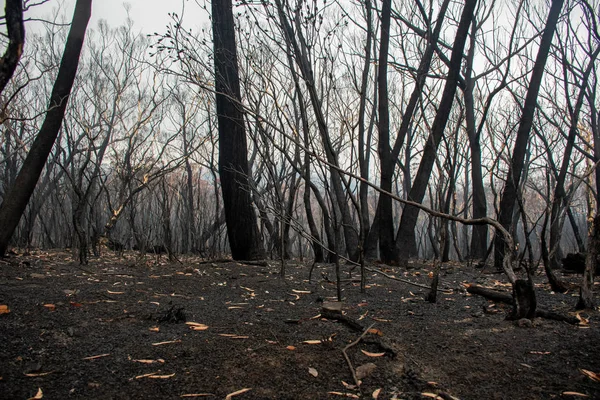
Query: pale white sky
{"x": 148, "y": 15}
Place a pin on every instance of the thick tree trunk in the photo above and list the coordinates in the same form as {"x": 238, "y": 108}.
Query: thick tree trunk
{"x": 513, "y": 177}
{"x": 242, "y": 228}
{"x": 480, "y": 233}
{"x": 17, "y": 198}
{"x": 16, "y": 38}
{"x": 405, "y": 239}
{"x": 384, "y": 222}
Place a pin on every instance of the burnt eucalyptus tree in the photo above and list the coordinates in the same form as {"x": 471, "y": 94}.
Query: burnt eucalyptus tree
{"x": 517, "y": 162}
{"x": 18, "y": 196}
{"x": 242, "y": 229}
{"x": 16, "y": 38}
{"x": 405, "y": 239}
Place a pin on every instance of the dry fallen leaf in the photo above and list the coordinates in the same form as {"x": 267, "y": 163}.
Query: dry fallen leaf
{"x": 111, "y": 292}
{"x": 4, "y": 309}
{"x": 576, "y": 394}
{"x": 592, "y": 375}
{"x": 376, "y": 393}
{"x": 313, "y": 372}
{"x": 38, "y": 374}
{"x": 380, "y": 319}
{"x": 39, "y": 395}
{"x": 50, "y": 307}
{"x": 369, "y": 354}
{"x": 95, "y": 357}
{"x": 153, "y": 375}
{"x": 162, "y": 376}
{"x": 431, "y": 395}
{"x": 301, "y": 291}
{"x": 195, "y": 326}
{"x": 197, "y": 395}
{"x": 233, "y": 336}
{"x": 291, "y": 347}
{"x": 316, "y": 341}
{"x": 350, "y": 395}
{"x": 167, "y": 342}
{"x": 375, "y": 331}
{"x": 237, "y": 392}
{"x": 143, "y": 361}
{"x": 154, "y": 329}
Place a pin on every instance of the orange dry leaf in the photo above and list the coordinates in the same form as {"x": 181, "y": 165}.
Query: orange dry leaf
{"x": 369, "y": 354}
{"x": 431, "y": 395}
{"x": 375, "y": 331}
{"x": 39, "y": 395}
{"x": 237, "y": 392}
{"x": 50, "y": 307}
{"x": 592, "y": 375}
{"x": 154, "y": 329}
{"x": 195, "y": 326}
{"x": 4, "y": 309}
{"x": 291, "y": 348}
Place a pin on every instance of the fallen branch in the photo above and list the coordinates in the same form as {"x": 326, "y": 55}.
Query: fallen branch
{"x": 345, "y": 349}
{"x": 401, "y": 280}
{"x": 506, "y": 298}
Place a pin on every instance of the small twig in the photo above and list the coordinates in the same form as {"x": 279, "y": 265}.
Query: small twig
{"x": 356, "y": 382}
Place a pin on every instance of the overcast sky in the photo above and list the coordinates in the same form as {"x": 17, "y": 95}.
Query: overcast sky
{"x": 148, "y": 15}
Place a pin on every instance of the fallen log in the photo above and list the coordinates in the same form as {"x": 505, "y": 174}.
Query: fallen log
{"x": 506, "y": 298}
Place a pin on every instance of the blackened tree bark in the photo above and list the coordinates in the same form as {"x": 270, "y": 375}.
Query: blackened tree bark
{"x": 405, "y": 239}
{"x": 242, "y": 228}
{"x": 17, "y": 198}
{"x": 480, "y": 232}
{"x": 515, "y": 169}
{"x": 560, "y": 194}
{"x": 386, "y": 223}
{"x": 16, "y": 39}
{"x": 383, "y": 220}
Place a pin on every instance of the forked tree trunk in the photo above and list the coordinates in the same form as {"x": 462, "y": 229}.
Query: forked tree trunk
{"x": 405, "y": 239}
{"x": 513, "y": 177}
{"x": 18, "y": 196}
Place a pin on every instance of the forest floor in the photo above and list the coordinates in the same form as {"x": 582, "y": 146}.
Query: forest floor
{"x": 119, "y": 328}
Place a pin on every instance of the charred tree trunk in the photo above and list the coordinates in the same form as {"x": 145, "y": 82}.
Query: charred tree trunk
{"x": 17, "y": 198}
{"x": 513, "y": 177}
{"x": 586, "y": 292}
{"x": 16, "y": 38}
{"x": 405, "y": 239}
{"x": 383, "y": 223}
{"x": 242, "y": 228}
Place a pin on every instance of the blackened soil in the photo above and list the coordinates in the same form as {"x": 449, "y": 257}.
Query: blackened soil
{"x": 115, "y": 329}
